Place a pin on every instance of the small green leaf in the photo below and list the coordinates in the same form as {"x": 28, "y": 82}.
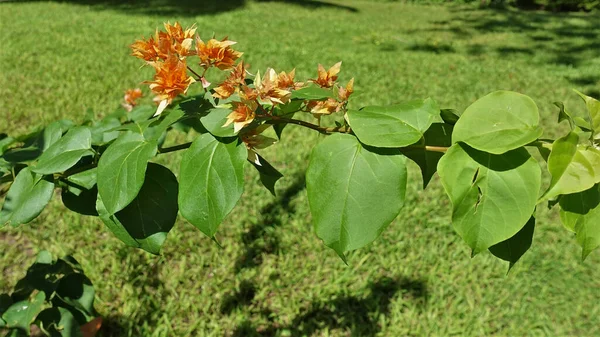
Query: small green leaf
{"x": 493, "y": 196}
{"x": 438, "y": 135}
{"x": 141, "y": 113}
{"x": 159, "y": 125}
{"x": 499, "y": 122}
{"x": 212, "y": 181}
{"x": 86, "y": 179}
{"x": 564, "y": 115}
{"x": 104, "y": 131}
{"x": 121, "y": 170}
{"x": 593, "y": 108}
{"x": 147, "y": 220}
{"x": 312, "y": 93}
{"x": 449, "y": 116}
{"x": 513, "y": 248}
{"x": 50, "y": 135}
{"x": 575, "y": 205}
{"x": 77, "y": 291}
{"x": 26, "y": 199}
{"x": 354, "y": 192}
{"x": 66, "y": 152}
{"x": 571, "y": 167}
{"x": 268, "y": 174}
{"x": 214, "y": 121}
{"x": 394, "y": 126}
{"x": 22, "y": 314}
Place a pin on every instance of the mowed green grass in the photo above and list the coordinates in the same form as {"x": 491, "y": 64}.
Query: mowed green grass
{"x": 272, "y": 276}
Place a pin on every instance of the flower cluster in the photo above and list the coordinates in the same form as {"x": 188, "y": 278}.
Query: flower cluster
{"x": 130, "y": 98}
{"x": 254, "y": 100}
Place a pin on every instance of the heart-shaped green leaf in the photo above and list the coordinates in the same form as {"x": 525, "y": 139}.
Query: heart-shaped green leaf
{"x": 394, "y": 126}
{"x": 147, "y": 220}
{"x": 493, "y": 196}
{"x": 212, "y": 181}
{"x": 354, "y": 192}
{"x": 499, "y": 122}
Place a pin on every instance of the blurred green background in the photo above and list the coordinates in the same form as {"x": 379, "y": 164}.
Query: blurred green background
{"x": 273, "y": 277}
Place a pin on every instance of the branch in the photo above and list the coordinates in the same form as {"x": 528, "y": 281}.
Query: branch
{"x": 327, "y": 131}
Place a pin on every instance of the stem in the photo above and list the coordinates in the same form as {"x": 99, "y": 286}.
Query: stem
{"x": 199, "y": 78}
{"x": 321, "y": 129}
{"x": 174, "y": 148}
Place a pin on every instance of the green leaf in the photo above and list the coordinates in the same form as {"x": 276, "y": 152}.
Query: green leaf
{"x": 104, "y": 131}
{"x": 21, "y": 155}
{"x": 394, "y": 126}
{"x": 574, "y": 206}
{"x": 5, "y": 142}
{"x": 312, "y": 93}
{"x": 141, "y": 113}
{"x": 22, "y": 314}
{"x": 580, "y": 212}
{"x": 212, "y": 181}
{"x": 449, "y": 116}
{"x": 59, "y": 321}
{"x": 513, "y": 248}
{"x": 354, "y": 192}
{"x": 26, "y": 199}
{"x": 159, "y": 125}
{"x": 121, "y": 170}
{"x": 83, "y": 203}
{"x": 438, "y": 135}
{"x": 147, "y": 220}
{"x": 499, "y": 122}
{"x": 50, "y": 135}
{"x": 268, "y": 174}
{"x": 214, "y": 121}
{"x": 493, "y": 196}
{"x": 66, "y": 152}
{"x": 593, "y": 107}
{"x": 571, "y": 167}
{"x": 86, "y": 179}
{"x": 76, "y": 290}
{"x": 564, "y": 115}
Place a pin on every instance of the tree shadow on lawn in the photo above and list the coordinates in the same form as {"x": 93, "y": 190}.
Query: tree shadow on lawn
{"x": 145, "y": 278}
{"x": 261, "y": 238}
{"x": 187, "y": 7}
{"x": 356, "y": 314}
{"x": 559, "y": 38}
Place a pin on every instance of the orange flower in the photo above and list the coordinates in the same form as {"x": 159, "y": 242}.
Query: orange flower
{"x": 175, "y": 40}
{"x": 232, "y": 83}
{"x": 327, "y": 78}
{"x": 170, "y": 81}
{"x": 327, "y": 107}
{"x": 146, "y": 50}
{"x": 286, "y": 81}
{"x": 217, "y": 53}
{"x": 242, "y": 115}
{"x": 182, "y": 40}
{"x": 269, "y": 88}
{"x": 131, "y": 95}
{"x": 255, "y": 141}
{"x": 344, "y": 93}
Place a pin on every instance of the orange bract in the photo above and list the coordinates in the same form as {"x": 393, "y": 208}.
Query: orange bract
{"x": 171, "y": 80}
{"x": 327, "y": 78}
{"x": 269, "y": 88}
{"x": 326, "y": 107}
{"x": 217, "y": 53}
{"x": 232, "y": 83}
{"x": 242, "y": 115}
{"x": 159, "y": 47}
{"x": 345, "y": 93}
{"x": 131, "y": 95}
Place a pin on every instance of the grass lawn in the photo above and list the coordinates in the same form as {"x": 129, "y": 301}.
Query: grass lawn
{"x": 273, "y": 277}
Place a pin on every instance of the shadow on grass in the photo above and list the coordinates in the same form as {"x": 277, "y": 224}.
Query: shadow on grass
{"x": 357, "y": 315}
{"x": 145, "y": 277}
{"x": 557, "y": 38}
{"x": 261, "y": 237}
{"x": 186, "y": 7}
